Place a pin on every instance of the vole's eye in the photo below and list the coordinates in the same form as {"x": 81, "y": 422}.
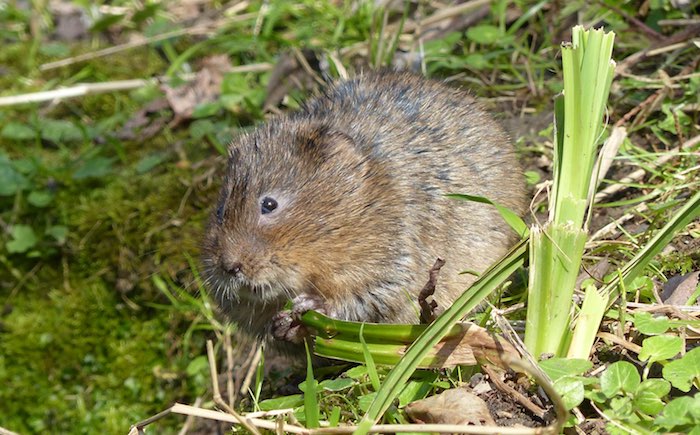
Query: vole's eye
{"x": 268, "y": 205}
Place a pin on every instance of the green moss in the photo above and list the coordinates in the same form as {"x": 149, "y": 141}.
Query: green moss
{"x": 78, "y": 358}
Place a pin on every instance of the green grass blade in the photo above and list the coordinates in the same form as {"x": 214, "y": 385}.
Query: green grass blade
{"x": 369, "y": 361}
{"x": 556, "y": 250}
{"x": 311, "y": 411}
{"x": 511, "y": 218}
{"x": 555, "y": 257}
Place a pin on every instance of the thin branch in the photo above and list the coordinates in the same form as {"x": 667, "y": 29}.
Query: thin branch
{"x": 507, "y": 389}
{"x": 381, "y": 428}
{"x": 75, "y": 91}
{"x": 84, "y": 89}
{"x": 190, "y": 418}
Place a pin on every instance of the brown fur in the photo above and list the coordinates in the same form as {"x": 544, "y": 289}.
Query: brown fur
{"x": 360, "y": 176}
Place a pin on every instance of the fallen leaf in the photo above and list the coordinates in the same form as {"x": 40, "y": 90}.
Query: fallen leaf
{"x": 205, "y": 88}
{"x": 455, "y": 406}
{"x": 473, "y": 344}
{"x": 679, "y": 288}
{"x": 70, "y": 21}
{"x": 147, "y": 122}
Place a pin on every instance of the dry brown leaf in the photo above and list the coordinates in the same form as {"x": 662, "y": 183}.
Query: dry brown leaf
{"x": 486, "y": 347}
{"x": 70, "y": 21}
{"x": 678, "y": 289}
{"x": 455, "y": 406}
{"x": 205, "y": 87}
{"x": 146, "y": 122}
{"x": 472, "y": 345}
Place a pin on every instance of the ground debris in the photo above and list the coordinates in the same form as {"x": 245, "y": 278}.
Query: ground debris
{"x": 680, "y": 288}
{"x": 205, "y": 88}
{"x": 455, "y": 406}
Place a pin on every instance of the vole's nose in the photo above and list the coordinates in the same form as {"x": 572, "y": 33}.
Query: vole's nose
{"x": 231, "y": 266}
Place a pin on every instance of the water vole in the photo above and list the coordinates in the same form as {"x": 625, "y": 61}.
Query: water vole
{"x": 343, "y": 203}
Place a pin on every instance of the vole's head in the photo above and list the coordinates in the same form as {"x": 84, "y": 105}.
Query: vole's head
{"x": 295, "y": 205}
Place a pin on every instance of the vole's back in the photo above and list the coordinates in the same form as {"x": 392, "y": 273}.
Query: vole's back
{"x": 435, "y": 140}
{"x": 363, "y": 172}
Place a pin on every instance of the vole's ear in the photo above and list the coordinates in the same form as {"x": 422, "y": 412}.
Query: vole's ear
{"x": 324, "y": 144}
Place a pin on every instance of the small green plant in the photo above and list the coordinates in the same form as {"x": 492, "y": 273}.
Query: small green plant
{"x": 632, "y": 401}
{"x": 21, "y": 184}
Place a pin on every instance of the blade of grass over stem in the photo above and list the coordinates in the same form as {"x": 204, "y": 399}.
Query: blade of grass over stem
{"x": 511, "y": 218}
{"x": 371, "y": 367}
{"x": 310, "y": 398}
{"x": 555, "y": 258}
{"x": 399, "y": 375}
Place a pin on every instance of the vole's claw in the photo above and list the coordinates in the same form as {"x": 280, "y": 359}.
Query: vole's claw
{"x": 306, "y": 302}
{"x": 287, "y": 326}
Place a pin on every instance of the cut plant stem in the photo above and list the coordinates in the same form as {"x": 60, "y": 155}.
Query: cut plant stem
{"x": 465, "y": 344}
{"x": 555, "y": 258}
{"x": 556, "y": 247}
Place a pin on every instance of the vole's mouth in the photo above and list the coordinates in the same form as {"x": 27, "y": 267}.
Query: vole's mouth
{"x": 262, "y": 292}
{"x": 226, "y": 287}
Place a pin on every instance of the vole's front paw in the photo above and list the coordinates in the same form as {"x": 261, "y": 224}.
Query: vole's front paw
{"x": 286, "y": 325}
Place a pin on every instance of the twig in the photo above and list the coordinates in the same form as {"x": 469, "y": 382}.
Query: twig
{"x": 138, "y": 427}
{"x": 251, "y": 368}
{"x": 190, "y": 418}
{"x": 680, "y": 22}
{"x": 607, "y": 229}
{"x": 683, "y": 312}
{"x": 520, "y": 398}
{"x": 622, "y": 342}
{"x": 544, "y": 382}
{"x": 217, "y": 395}
{"x": 301, "y": 59}
{"x": 181, "y": 409}
{"x": 4, "y": 431}
{"x": 122, "y": 47}
{"x": 427, "y": 309}
{"x": 381, "y": 428}
{"x": 445, "y": 13}
{"x": 678, "y": 40}
{"x": 84, "y": 89}
{"x": 75, "y": 91}
{"x": 637, "y": 22}
{"x": 230, "y": 390}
